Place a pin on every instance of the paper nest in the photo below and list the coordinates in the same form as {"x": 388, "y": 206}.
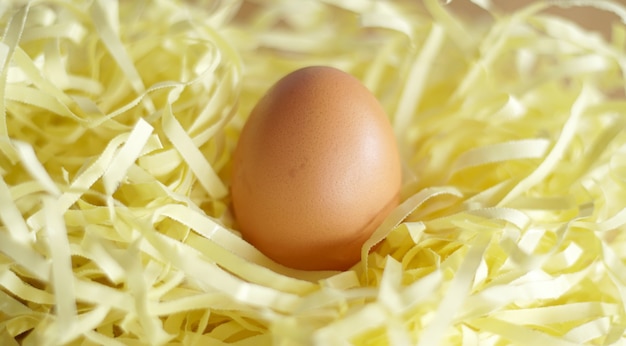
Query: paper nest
{"x": 117, "y": 126}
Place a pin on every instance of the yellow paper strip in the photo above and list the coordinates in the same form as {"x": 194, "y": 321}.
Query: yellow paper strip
{"x": 193, "y": 157}
{"x": 127, "y": 154}
{"x": 416, "y": 79}
{"x": 62, "y": 274}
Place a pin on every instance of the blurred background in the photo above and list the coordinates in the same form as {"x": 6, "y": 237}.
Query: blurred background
{"x": 588, "y": 17}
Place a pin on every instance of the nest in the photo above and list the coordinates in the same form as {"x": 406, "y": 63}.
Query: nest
{"x": 118, "y": 121}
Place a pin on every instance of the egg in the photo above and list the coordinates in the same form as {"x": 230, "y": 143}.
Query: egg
{"x": 316, "y": 170}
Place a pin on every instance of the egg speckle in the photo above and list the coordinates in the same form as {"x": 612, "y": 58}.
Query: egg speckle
{"x": 315, "y": 171}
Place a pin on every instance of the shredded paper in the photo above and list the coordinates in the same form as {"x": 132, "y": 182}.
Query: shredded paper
{"x": 118, "y": 121}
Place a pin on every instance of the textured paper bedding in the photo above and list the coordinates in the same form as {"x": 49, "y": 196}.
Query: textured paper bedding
{"x": 118, "y": 120}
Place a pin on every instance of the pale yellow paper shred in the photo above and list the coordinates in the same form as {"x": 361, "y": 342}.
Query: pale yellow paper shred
{"x": 118, "y": 122}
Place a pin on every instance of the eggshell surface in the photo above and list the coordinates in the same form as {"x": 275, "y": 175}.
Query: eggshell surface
{"x": 316, "y": 170}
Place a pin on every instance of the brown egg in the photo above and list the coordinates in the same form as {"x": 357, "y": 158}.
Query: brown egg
{"x": 316, "y": 170}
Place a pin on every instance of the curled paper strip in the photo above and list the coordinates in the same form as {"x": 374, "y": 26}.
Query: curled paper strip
{"x": 118, "y": 121}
